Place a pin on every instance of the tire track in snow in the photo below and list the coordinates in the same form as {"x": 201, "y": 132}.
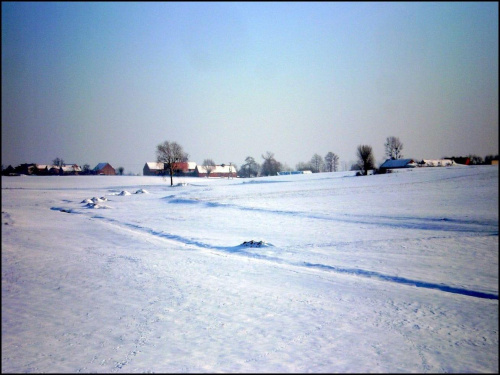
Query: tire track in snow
{"x": 403, "y": 280}
{"x": 407, "y": 222}
{"x": 239, "y": 250}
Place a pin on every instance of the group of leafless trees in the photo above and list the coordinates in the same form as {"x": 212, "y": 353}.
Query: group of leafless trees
{"x": 171, "y": 152}
{"x": 319, "y": 164}
{"x": 269, "y": 167}
{"x": 250, "y": 168}
{"x": 366, "y": 160}
{"x": 364, "y": 153}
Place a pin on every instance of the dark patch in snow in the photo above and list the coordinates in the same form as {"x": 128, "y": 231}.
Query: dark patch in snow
{"x": 253, "y": 243}
{"x": 67, "y": 210}
{"x": 6, "y": 218}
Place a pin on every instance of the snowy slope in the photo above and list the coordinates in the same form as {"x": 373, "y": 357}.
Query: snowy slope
{"x": 383, "y": 273}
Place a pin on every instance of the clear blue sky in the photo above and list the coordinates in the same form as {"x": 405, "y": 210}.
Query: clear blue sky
{"x": 107, "y": 82}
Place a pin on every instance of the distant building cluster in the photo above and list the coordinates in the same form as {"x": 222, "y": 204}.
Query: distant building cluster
{"x": 390, "y": 164}
{"x": 149, "y": 169}
{"x": 57, "y": 170}
{"x": 189, "y": 168}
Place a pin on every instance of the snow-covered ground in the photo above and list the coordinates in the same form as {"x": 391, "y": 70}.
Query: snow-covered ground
{"x": 383, "y": 273}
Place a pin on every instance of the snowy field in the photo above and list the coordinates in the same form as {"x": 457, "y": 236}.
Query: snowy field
{"x": 383, "y": 273}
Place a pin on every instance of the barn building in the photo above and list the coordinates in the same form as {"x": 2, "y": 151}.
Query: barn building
{"x": 216, "y": 171}
{"x": 160, "y": 169}
{"x": 153, "y": 169}
{"x": 72, "y": 169}
{"x": 397, "y": 164}
{"x": 104, "y": 169}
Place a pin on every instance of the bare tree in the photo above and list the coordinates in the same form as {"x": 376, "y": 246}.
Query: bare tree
{"x": 335, "y": 162}
{"x": 271, "y": 166}
{"x": 317, "y": 163}
{"x": 86, "y": 169}
{"x": 366, "y": 160}
{"x": 209, "y": 166}
{"x": 250, "y": 168}
{"x": 120, "y": 171}
{"x": 332, "y": 162}
{"x": 170, "y": 153}
{"x": 302, "y": 166}
{"x": 58, "y": 162}
{"x": 393, "y": 148}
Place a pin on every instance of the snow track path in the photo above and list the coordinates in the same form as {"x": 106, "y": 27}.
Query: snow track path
{"x": 242, "y": 251}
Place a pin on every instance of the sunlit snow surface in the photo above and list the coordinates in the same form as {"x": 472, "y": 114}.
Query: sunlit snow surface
{"x": 383, "y": 273}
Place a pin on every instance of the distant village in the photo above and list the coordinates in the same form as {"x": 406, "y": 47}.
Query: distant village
{"x": 194, "y": 170}
{"x": 106, "y": 169}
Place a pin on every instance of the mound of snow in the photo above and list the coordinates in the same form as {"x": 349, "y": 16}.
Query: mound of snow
{"x": 96, "y": 200}
{"x": 101, "y": 206}
{"x": 124, "y": 192}
{"x": 95, "y": 205}
{"x": 142, "y": 191}
{"x": 86, "y": 201}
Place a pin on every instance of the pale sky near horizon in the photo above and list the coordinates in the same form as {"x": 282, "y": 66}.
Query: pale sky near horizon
{"x": 95, "y": 82}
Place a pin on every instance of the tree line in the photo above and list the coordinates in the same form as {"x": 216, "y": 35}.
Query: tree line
{"x": 317, "y": 163}
{"x": 86, "y": 170}
{"x": 171, "y": 152}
